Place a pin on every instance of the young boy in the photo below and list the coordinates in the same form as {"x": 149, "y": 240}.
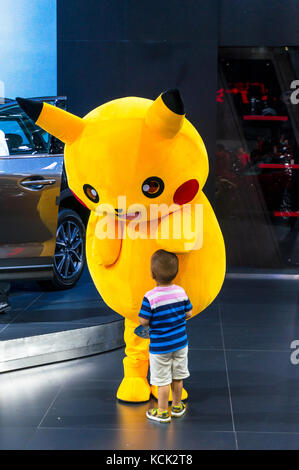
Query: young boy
{"x": 165, "y": 309}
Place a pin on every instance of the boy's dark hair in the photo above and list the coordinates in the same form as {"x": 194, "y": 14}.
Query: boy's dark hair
{"x": 164, "y": 266}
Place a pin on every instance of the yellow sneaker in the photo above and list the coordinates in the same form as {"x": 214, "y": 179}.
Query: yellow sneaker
{"x": 178, "y": 411}
{"x": 156, "y": 415}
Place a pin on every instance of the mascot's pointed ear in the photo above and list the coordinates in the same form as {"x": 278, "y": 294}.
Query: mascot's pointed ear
{"x": 63, "y": 125}
{"x": 166, "y": 114}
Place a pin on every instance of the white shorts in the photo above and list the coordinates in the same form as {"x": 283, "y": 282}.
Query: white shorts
{"x": 165, "y": 368}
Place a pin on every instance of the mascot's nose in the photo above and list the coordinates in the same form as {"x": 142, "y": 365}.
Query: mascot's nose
{"x": 118, "y": 210}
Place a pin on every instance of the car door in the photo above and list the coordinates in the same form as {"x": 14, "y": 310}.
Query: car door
{"x": 30, "y": 179}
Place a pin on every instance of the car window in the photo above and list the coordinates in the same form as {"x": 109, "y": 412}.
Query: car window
{"x": 20, "y": 134}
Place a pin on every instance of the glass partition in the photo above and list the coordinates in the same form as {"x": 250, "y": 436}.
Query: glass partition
{"x": 257, "y": 156}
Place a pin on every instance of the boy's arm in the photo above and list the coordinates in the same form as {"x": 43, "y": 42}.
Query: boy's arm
{"x": 188, "y": 309}
{"x": 189, "y": 314}
{"x": 145, "y": 313}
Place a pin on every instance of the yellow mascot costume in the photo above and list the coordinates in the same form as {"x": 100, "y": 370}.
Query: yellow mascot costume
{"x": 145, "y": 163}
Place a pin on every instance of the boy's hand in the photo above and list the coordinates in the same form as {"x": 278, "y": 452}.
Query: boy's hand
{"x": 189, "y": 314}
{"x": 143, "y": 321}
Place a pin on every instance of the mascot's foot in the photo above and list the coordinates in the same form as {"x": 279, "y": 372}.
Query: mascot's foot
{"x": 134, "y": 389}
{"x": 154, "y": 391}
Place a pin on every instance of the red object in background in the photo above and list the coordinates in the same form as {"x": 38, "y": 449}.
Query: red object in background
{"x": 279, "y": 165}
{"x": 252, "y": 117}
{"x": 242, "y": 88}
{"x": 220, "y": 95}
{"x": 260, "y": 142}
{"x": 244, "y": 158}
{"x": 286, "y": 213}
{"x": 186, "y": 192}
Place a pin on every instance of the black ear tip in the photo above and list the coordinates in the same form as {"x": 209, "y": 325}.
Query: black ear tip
{"x": 31, "y": 107}
{"x": 173, "y": 100}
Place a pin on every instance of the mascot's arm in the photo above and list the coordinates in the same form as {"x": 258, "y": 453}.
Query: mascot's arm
{"x": 102, "y": 249}
{"x": 206, "y": 263}
{"x": 181, "y": 231}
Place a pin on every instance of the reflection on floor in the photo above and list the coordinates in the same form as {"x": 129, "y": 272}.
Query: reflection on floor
{"x": 36, "y": 311}
{"x": 243, "y": 387}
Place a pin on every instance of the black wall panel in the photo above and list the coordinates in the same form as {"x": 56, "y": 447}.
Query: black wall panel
{"x": 91, "y": 20}
{"x": 258, "y": 23}
{"x": 91, "y": 72}
{"x": 172, "y": 19}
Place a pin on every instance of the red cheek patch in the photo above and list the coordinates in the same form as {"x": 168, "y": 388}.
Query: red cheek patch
{"x": 186, "y": 192}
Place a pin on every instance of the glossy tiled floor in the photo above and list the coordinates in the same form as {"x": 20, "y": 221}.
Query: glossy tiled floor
{"x": 243, "y": 388}
{"x": 36, "y": 311}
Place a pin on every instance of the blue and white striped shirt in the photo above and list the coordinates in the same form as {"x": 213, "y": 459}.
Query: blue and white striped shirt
{"x": 165, "y": 307}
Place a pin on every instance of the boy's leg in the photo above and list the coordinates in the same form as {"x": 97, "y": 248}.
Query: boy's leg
{"x": 177, "y": 388}
{"x": 179, "y": 373}
{"x": 160, "y": 368}
{"x": 163, "y": 394}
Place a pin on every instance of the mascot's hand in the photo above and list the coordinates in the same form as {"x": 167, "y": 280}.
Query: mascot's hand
{"x": 180, "y": 232}
{"x": 104, "y": 249}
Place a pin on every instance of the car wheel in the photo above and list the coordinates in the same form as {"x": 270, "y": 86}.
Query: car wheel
{"x": 69, "y": 257}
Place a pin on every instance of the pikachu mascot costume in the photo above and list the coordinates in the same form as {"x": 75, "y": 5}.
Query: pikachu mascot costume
{"x": 128, "y": 154}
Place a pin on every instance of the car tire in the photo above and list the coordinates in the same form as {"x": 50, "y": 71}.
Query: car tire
{"x": 69, "y": 258}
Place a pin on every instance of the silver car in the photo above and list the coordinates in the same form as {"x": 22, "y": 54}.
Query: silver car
{"x": 42, "y": 225}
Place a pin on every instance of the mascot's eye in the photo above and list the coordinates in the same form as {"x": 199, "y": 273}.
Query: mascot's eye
{"x": 152, "y": 186}
{"x": 91, "y": 193}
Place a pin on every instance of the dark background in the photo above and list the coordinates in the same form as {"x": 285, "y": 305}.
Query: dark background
{"x": 113, "y": 48}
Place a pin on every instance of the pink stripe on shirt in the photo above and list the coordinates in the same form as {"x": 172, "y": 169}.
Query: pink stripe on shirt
{"x": 165, "y": 295}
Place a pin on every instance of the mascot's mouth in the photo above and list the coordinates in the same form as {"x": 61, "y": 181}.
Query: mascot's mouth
{"x": 127, "y": 216}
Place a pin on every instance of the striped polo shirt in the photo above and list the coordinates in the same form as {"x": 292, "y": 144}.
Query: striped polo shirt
{"x": 165, "y": 308}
